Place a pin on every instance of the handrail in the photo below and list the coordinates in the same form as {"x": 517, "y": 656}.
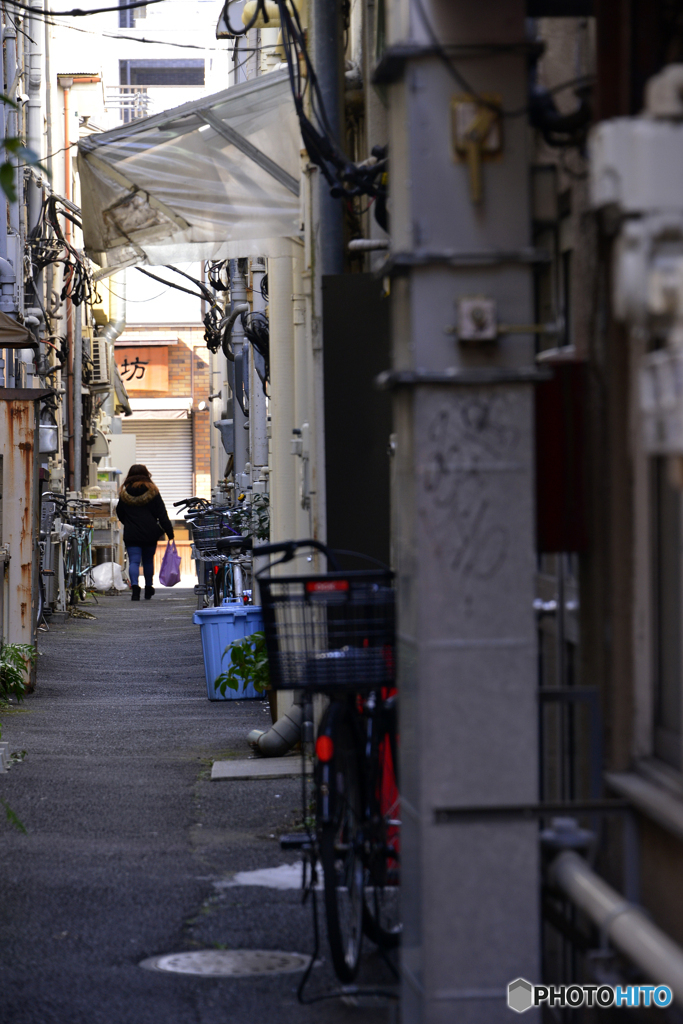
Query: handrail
{"x": 623, "y": 923}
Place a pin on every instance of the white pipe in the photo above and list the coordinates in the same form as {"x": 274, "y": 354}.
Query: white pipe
{"x": 78, "y": 397}
{"x": 227, "y": 323}
{"x": 238, "y": 296}
{"x": 258, "y": 414}
{"x": 302, "y": 400}
{"x": 282, "y": 490}
{"x": 281, "y": 736}
{"x": 114, "y": 327}
{"x": 367, "y": 244}
{"x": 282, "y": 476}
{"x": 624, "y": 924}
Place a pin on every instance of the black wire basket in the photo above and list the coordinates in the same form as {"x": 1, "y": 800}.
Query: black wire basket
{"x": 207, "y": 529}
{"x": 329, "y": 632}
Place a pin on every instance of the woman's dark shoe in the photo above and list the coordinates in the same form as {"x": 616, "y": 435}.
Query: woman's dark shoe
{"x": 149, "y": 593}
{"x": 135, "y": 596}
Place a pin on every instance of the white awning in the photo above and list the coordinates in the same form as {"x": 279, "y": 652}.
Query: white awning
{"x": 194, "y": 182}
{"x": 160, "y": 409}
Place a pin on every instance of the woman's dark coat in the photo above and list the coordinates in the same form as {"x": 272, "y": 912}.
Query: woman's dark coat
{"x": 142, "y": 511}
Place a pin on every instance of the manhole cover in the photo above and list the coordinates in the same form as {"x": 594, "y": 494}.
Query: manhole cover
{"x": 228, "y": 963}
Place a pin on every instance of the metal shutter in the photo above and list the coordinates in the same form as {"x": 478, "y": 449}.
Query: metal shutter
{"x": 165, "y": 447}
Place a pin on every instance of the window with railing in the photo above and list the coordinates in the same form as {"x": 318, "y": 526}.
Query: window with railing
{"x": 132, "y": 101}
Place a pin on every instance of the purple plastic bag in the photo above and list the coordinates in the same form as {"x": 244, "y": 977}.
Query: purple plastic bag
{"x": 169, "y": 574}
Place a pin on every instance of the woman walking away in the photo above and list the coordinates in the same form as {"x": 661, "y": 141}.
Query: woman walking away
{"x": 142, "y": 511}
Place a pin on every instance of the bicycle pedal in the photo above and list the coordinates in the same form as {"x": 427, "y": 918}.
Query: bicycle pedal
{"x": 47, "y": 572}
{"x": 295, "y": 842}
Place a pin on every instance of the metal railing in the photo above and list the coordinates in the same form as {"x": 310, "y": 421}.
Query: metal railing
{"x": 133, "y": 101}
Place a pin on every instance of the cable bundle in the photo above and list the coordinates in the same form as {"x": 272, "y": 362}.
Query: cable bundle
{"x": 48, "y": 245}
{"x": 215, "y": 271}
{"x": 346, "y": 179}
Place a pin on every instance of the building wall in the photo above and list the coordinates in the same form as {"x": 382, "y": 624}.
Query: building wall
{"x": 617, "y": 613}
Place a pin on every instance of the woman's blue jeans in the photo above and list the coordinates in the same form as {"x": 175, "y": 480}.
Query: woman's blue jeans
{"x": 144, "y": 554}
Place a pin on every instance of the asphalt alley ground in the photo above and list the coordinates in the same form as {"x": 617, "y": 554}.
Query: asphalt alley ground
{"x": 129, "y": 844}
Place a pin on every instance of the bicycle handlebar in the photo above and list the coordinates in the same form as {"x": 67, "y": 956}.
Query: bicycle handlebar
{"x": 190, "y": 501}
{"x": 287, "y": 548}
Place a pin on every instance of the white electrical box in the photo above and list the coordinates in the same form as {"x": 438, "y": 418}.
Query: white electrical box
{"x": 661, "y": 402}
{"x": 100, "y": 359}
{"x": 635, "y": 164}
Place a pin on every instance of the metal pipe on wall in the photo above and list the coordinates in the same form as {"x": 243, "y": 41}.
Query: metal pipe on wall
{"x": 623, "y": 923}
{"x": 68, "y": 407}
{"x": 302, "y": 397}
{"x": 238, "y": 297}
{"x": 78, "y": 397}
{"x": 33, "y": 121}
{"x": 11, "y": 114}
{"x": 282, "y": 489}
{"x": 258, "y": 416}
{"x": 66, "y": 84}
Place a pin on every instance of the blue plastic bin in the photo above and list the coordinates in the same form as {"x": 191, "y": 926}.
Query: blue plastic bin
{"x": 218, "y": 628}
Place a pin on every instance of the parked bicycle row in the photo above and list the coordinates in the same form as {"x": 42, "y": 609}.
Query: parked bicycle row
{"x": 71, "y": 522}
{"x": 224, "y": 576}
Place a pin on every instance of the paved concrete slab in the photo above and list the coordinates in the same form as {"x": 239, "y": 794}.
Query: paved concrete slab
{"x": 259, "y": 768}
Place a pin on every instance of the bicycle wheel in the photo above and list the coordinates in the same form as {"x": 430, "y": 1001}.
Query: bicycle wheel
{"x": 70, "y": 574}
{"x": 381, "y": 904}
{"x": 339, "y": 843}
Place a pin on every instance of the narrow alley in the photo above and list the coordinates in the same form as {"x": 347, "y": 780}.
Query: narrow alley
{"x": 131, "y": 849}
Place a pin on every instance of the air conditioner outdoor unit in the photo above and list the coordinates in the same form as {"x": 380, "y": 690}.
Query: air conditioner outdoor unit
{"x": 100, "y": 359}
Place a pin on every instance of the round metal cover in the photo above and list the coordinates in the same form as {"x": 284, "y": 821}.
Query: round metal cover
{"x": 228, "y": 963}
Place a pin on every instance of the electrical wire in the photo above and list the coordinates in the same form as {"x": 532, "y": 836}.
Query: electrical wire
{"x": 169, "y": 284}
{"x": 143, "y": 39}
{"x": 149, "y": 298}
{"x": 238, "y": 33}
{"x": 48, "y": 245}
{"x": 77, "y": 12}
{"x": 344, "y": 177}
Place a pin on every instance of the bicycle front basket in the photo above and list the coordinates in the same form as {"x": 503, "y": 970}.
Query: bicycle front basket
{"x": 329, "y": 632}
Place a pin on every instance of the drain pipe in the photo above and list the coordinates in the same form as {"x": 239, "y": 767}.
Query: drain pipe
{"x": 281, "y": 736}
{"x": 115, "y": 326}
{"x": 226, "y": 325}
{"x": 78, "y": 398}
{"x": 238, "y": 297}
{"x": 33, "y": 118}
{"x": 624, "y": 924}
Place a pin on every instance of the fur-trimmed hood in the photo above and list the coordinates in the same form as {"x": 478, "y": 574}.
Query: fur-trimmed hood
{"x": 139, "y": 492}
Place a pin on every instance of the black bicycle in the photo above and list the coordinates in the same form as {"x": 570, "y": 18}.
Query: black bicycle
{"x": 333, "y": 633}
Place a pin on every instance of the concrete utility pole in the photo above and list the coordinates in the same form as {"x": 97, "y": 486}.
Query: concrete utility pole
{"x": 463, "y": 521}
